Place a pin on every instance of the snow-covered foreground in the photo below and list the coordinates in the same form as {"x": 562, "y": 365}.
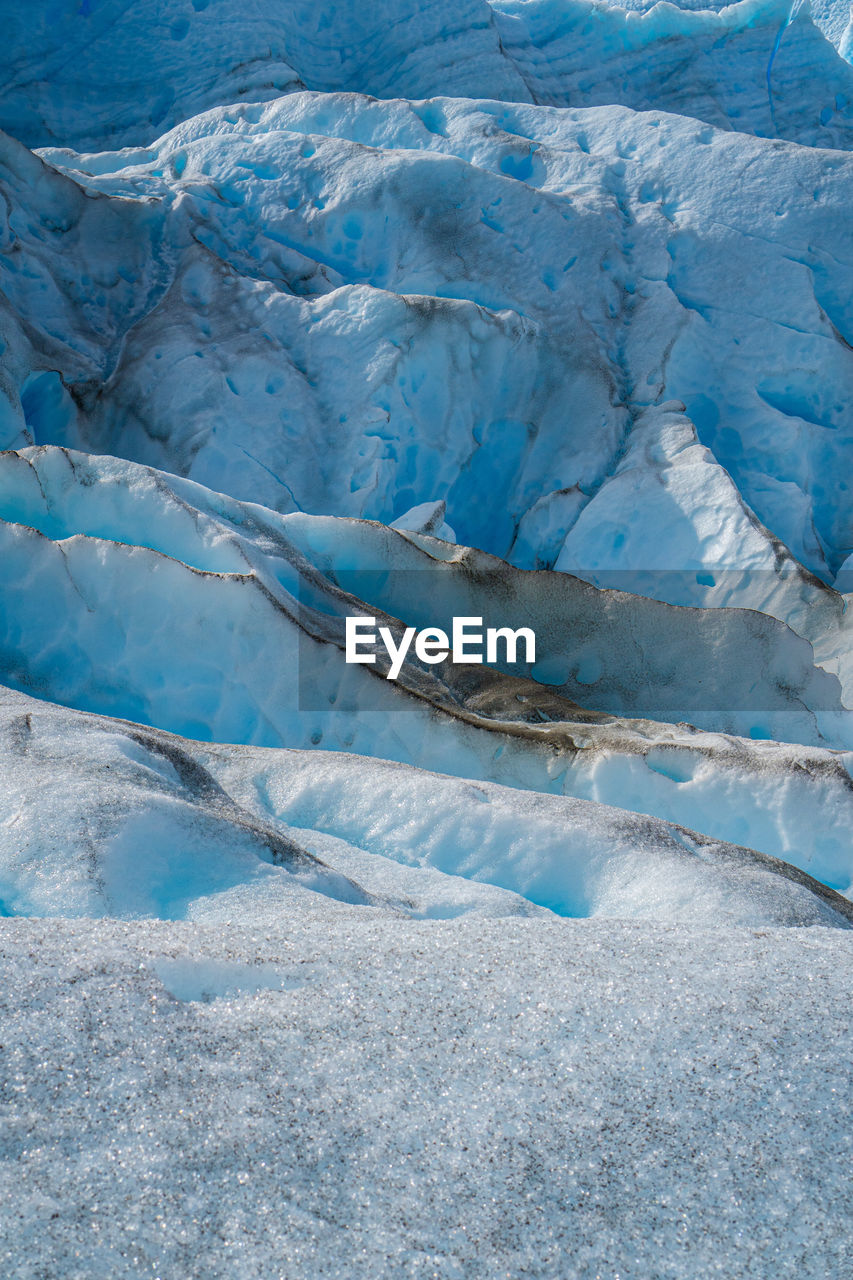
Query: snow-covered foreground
{"x": 339, "y": 1097}
{"x": 354, "y": 1038}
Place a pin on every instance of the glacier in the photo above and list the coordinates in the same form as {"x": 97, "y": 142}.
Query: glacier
{"x": 110, "y": 70}
{"x": 536, "y": 311}
{"x": 274, "y": 220}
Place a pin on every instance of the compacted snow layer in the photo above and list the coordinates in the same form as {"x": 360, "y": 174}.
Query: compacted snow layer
{"x": 337, "y": 1097}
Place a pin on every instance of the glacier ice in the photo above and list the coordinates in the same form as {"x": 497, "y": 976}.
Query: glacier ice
{"x": 426, "y": 517}
{"x": 149, "y": 825}
{"x": 537, "y": 311}
{"x": 256, "y": 593}
{"x": 703, "y": 278}
{"x": 112, "y": 71}
{"x": 140, "y": 562}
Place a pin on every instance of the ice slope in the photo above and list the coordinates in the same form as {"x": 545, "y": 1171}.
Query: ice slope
{"x": 355, "y": 307}
{"x": 833, "y": 17}
{"x": 111, "y": 71}
{"x": 750, "y": 67}
{"x": 345, "y": 1098}
{"x": 189, "y": 611}
{"x": 142, "y": 824}
{"x": 138, "y": 559}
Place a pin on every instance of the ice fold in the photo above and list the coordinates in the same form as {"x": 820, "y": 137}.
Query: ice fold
{"x": 189, "y": 611}
{"x": 322, "y": 304}
{"x": 145, "y": 825}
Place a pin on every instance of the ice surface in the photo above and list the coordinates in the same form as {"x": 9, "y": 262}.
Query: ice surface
{"x": 143, "y": 825}
{"x": 337, "y": 305}
{"x": 257, "y": 594}
{"x": 115, "y": 71}
{"x": 833, "y": 17}
{"x": 532, "y": 310}
{"x": 192, "y": 612}
{"x": 426, "y": 517}
{"x": 463, "y": 1099}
